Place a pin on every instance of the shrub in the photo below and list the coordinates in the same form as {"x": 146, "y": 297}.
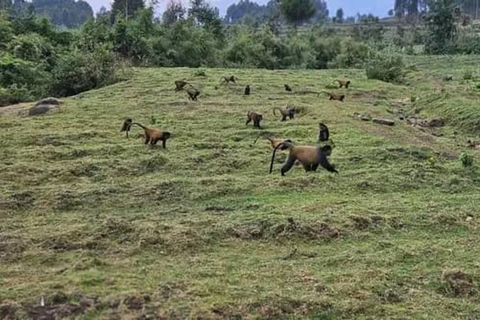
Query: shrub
{"x": 468, "y": 75}
{"x": 385, "y": 65}
{"x": 200, "y": 73}
{"x": 14, "y": 94}
{"x": 324, "y": 50}
{"x": 23, "y": 74}
{"x": 352, "y": 55}
{"x": 466, "y": 160}
{"x": 80, "y": 71}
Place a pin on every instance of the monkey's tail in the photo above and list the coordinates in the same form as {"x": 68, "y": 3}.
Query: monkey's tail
{"x": 276, "y": 108}
{"x": 138, "y": 124}
{"x": 323, "y": 159}
{"x": 273, "y": 155}
{"x": 287, "y": 144}
{"x": 261, "y": 134}
{"x": 319, "y": 93}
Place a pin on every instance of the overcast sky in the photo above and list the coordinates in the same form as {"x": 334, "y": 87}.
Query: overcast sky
{"x": 350, "y": 7}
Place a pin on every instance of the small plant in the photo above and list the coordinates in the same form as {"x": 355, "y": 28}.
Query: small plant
{"x": 468, "y": 75}
{"x": 200, "y": 73}
{"x": 153, "y": 120}
{"x": 431, "y": 162}
{"x": 466, "y": 159}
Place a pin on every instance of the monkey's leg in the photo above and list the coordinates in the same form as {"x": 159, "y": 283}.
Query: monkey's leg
{"x": 307, "y": 167}
{"x": 147, "y": 139}
{"x": 164, "y": 143}
{"x": 288, "y": 164}
{"x": 284, "y": 118}
{"x": 314, "y": 167}
{"x": 153, "y": 142}
{"x": 248, "y": 121}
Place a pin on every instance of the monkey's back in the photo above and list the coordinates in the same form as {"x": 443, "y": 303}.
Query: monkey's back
{"x": 306, "y": 154}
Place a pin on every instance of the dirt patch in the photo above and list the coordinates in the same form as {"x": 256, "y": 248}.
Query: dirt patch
{"x": 19, "y": 200}
{"x": 363, "y": 223}
{"x": 218, "y": 209}
{"x": 275, "y": 308}
{"x": 14, "y": 109}
{"x": 11, "y": 248}
{"x": 173, "y": 289}
{"x": 134, "y": 303}
{"x": 291, "y": 229}
{"x": 457, "y": 283}
{"x": 54, "y": 312}
{"x": 7, "y": 311}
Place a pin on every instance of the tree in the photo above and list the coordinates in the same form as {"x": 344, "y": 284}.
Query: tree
{"x": 339, "y": 15}
{"x": 297, "y": 12}
{"x": 441, "y": 26}
{"x": 208, "y": 17}
{"x": 126, "y": 8}
{"x": 321, "y": 11}
{"x": 175, "y": 11}
{"x": 5, "y": 5}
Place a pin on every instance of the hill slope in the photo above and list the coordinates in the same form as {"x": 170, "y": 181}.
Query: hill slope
{"x": 101, "y": 225}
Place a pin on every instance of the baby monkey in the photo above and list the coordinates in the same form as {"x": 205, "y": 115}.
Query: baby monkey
{"x": 255, "y": 117}
{"x": 287, "y": 112}
{"x": 343, "y": 83}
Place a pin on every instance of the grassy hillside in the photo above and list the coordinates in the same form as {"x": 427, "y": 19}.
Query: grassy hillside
{"x": 102, "y": 226}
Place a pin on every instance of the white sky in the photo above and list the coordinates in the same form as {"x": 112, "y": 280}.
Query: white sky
{"x": 350, "y": 7}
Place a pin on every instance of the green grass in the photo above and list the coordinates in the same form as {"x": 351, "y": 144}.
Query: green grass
{"x": 201, "y": 230}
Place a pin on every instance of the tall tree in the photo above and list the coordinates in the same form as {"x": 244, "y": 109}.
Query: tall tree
{"x": 441, "y": 26}
{"x": 175, "y": 11}
{"x": 5, "y": 5}
{"x": 297, "y": 12}
{"x": 126, "y": 8}
{"x": 208, "y": 17}
{"x": 321, "y": 11}
{"x": 339, "y": 15}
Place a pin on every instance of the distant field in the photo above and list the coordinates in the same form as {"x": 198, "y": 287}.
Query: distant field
{"x": 103, "y": 227}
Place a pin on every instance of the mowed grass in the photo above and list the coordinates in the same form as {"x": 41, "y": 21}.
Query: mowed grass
{"x": 102, "y": 226}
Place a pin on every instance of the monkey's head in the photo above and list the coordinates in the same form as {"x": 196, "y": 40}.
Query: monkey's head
{"x": 232, "y": 79}
{"x": 166, "y": 135}
{"x": 348, "y": 82}
{"x": 260, "y": 116}
{"x": 342, "y": 97}
{"x": 126, "y": 124}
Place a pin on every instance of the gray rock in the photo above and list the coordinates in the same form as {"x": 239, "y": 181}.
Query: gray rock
{"x": 49, "y": 100}
{"x": 384, "y": 121}
{"x": 41, "y": 109}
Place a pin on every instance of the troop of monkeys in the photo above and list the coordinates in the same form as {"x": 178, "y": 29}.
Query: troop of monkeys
{"x": 311, "y": 157}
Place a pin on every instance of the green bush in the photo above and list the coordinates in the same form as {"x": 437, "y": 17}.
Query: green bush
{"x": 466, "y": 160}
{"x": 353, "y": 54}
{"x": 385, "y": 65}
{"x": 79, "y": 71}
{"x": 14, "y": 94}
{"x": 468, "y": 75}
{"x": 23, "y": 74}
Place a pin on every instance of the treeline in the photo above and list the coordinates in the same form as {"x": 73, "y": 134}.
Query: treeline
{"x": 62, "y": 13}
{"x": 415, "y": 9}
{"x": 37, "y": 59}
